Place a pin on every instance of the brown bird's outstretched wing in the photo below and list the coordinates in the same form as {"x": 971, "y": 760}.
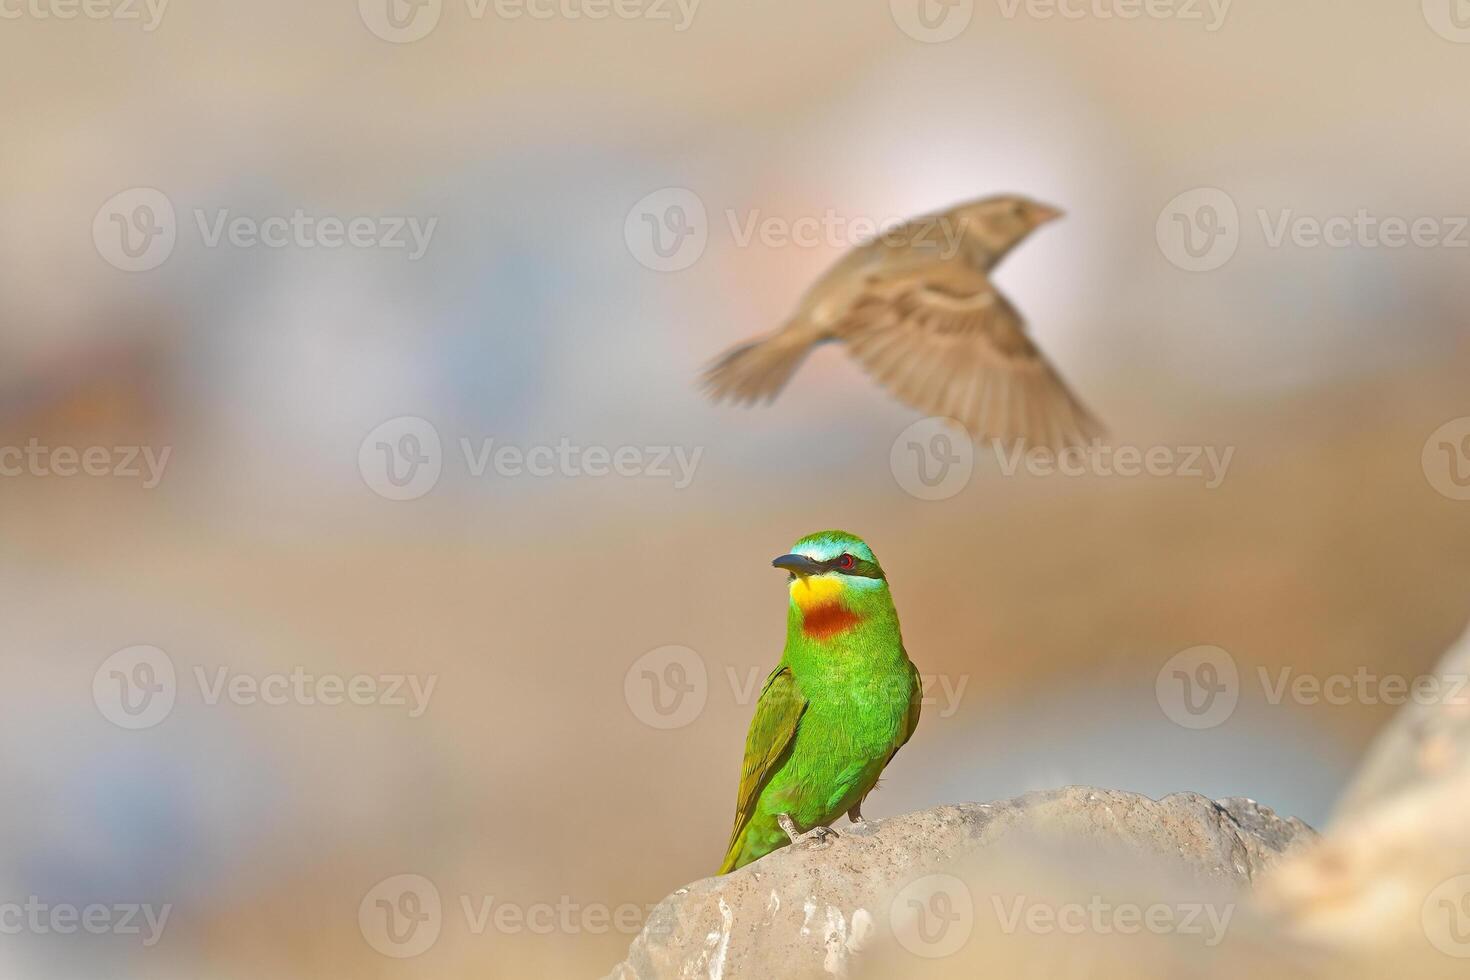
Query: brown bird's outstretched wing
{"x": 945, "y": 341}
{"x": 772, "y": 731}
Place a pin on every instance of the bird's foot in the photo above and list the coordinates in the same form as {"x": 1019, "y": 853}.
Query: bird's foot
{"x": 816, "y": 837}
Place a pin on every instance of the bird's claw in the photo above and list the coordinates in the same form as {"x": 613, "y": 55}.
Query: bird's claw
{"x": 815, "y": 837}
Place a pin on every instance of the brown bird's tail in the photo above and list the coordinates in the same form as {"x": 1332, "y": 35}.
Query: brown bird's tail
{"x": 757, "y": 370}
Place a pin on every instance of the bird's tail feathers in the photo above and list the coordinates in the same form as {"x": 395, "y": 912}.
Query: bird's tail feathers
{"x": 756, "y": 371}
{"x": 734, "y": 851}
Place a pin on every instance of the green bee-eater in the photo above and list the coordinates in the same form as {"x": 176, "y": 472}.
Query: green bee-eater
{"x": 842, "y": 702}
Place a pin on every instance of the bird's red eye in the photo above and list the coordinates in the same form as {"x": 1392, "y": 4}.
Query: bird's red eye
{"x": 846, "y": 561}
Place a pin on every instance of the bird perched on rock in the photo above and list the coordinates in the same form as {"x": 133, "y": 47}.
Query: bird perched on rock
{"x": 842, "y": 702}
{"x": 916, "y": 307}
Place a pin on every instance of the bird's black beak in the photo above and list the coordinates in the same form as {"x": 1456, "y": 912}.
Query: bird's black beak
{"x": 799, "y": 565}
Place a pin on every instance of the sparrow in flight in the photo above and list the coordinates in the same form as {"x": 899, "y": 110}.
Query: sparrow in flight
{"x": 916, "y": 307}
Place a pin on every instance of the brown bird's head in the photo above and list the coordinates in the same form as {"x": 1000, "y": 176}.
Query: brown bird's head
{"x": 999, "y": 224}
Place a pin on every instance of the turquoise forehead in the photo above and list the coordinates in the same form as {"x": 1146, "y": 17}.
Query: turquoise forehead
{"x": 829, "y": 544}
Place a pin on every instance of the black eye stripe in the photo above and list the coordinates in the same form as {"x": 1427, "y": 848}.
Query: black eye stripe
{"x": 861, "y": 567}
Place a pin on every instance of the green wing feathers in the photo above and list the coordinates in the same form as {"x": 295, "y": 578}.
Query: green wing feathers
{"x": 772, "y": 732}
{"x": 916, "y": 704}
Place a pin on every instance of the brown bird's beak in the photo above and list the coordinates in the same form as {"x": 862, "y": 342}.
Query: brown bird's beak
{"x": 799, "y": 565}
{"x": 1042, "y": 213}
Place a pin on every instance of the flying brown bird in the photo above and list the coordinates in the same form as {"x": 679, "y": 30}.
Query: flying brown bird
{"x": 916, "y": 308}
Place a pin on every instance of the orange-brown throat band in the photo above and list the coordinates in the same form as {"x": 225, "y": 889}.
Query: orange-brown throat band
{"x": 827, "y": 620}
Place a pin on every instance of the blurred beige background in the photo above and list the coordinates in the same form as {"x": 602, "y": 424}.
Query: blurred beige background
{"x": 1049, "y": 603}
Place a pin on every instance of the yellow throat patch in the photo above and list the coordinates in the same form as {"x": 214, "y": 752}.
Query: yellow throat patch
{"x": 814, "y": 591}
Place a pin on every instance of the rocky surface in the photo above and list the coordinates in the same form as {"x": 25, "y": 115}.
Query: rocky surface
{"x": 1427, "y": 742}
{"x": 1391, "y": 876}
{"x": 1056, "y": 883}
{"x": 810, "y": 911}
